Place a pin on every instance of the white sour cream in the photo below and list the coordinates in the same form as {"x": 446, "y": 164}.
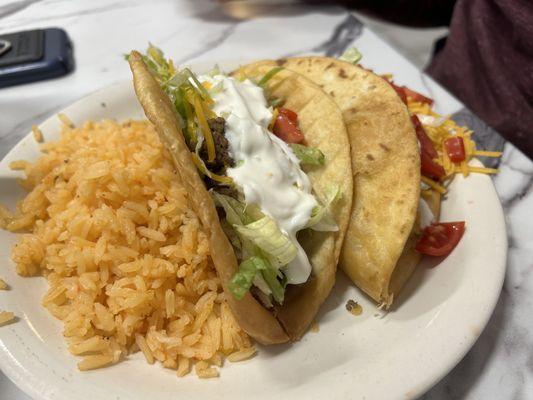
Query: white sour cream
{"x": 266, "y": 168}
{"x": 430, "y": 120}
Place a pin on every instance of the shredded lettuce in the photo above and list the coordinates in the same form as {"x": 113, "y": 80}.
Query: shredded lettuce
{"x": 237, "y": 213}
{"x": 265, "y": 234}
{"x": 268, "y": 76}
{"x": 257, "y": 237}
{"x": 308, "y": 155}
{"x": 242, "y": 281}
{"x": 182, "y": 87}
{"x": 351, "y": 55}
{"x": 248, "y": 272}
{"x": 270, "y": 275}
{"x": 321, "y": 218}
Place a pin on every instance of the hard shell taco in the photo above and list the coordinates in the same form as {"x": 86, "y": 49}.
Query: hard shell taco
{"x": 266, "y": 159}
{"x": 379, "y": 251}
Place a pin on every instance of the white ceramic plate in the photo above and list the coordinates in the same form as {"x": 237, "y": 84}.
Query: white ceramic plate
{"x": 397, "y": 355}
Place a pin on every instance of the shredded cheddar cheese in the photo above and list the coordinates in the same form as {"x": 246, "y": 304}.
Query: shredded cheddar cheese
{"x": 273, "y": 120}
{"x": 434, "y": 185}
{"x": 439, "y": 128}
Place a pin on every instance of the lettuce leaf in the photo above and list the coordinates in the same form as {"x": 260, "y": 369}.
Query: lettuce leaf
{"x": 265, "y": 234}
{"x": 321, "y": 218}
{"x": 243, "y": 278}
{"x": 248, "y": 269}
{"x": 351, "y": 55}
{"x": 270, "y": 275}
{"x": 308, "y": 155}
{"x": 268, "y": 76}
{"x": 237, "y": 213}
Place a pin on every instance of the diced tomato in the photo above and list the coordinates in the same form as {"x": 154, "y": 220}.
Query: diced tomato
{"x": 425, "y": 142}
{"x": 439, "y": 239}
{"x": 416, "y": 96}
{"x": 287, "y": 129}
{"x": 289, "y": 113}
{"x": 430, "y": 168}
{"x": 428, "y": 153}
{"x": 399, "y": 91}
{"x": 455, "y": 148}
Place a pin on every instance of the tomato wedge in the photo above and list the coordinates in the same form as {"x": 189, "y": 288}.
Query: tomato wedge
{"x": 289, "y": 113}
{"x": 455, "y": 148}
{"x": 439, "y": 239}
{"x": 428, "y": 153}
{"x": 430, "y": 168}
{"x": 286, "y": 126}
{"x": 400, "y": 92}
{"x": 416, "y": 96}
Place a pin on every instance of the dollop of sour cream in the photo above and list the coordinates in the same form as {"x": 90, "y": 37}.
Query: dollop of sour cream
{"x": 266, "y": 168}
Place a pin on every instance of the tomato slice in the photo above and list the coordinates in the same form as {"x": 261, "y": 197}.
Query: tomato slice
{"x": 289, "y": 113}
{"x": 399, "y": 91}
{"x": 430, "y": 168}
{"x": 439, "y": 239}
{"x": 416, "y": 96}
{"x": 427, "y": 152}
{"x": 426, "y": 145}
{"x": 455, "y": 148}
{"x": 287, "y": 129}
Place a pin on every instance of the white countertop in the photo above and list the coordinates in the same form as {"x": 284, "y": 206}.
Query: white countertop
{"x": 500, "y": 365}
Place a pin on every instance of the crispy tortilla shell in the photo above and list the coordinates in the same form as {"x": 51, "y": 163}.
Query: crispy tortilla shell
{"x": 265, "y": 326}
{"x": 322, "y": 125}
{"x": 378, "y": 253}
{"x": 251, "y": 316}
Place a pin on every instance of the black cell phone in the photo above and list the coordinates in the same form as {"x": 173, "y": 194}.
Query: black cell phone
{"x": 35, "y": 55}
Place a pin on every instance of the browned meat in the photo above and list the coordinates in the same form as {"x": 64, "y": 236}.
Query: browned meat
{"x": 222, "y": 157}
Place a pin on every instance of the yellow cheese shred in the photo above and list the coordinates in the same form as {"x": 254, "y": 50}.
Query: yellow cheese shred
{"x": 434, "y": 185}
{"x": 438, "y": 133}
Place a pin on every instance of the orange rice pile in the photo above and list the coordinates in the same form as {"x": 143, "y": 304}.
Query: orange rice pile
{"x": 111, "y": 228}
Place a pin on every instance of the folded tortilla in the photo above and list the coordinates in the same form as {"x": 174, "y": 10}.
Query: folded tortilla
{"x": 320, "y": 120}
{"x": 378, "y": 252}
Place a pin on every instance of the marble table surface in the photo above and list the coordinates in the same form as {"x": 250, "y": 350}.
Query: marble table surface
{"x": 500, "y": 365}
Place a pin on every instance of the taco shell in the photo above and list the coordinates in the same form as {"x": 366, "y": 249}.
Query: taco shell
{"x": 319, "y": 117}
{"x": 378, "y": 252}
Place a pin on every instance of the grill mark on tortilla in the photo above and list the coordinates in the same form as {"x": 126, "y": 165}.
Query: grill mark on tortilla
{"x": 342, "y": 74}
{"x": 370, "y": 157}
{"x": 332, "y": 93}
{"x": 281, "y": 61}
{"x": 329, "y": 66}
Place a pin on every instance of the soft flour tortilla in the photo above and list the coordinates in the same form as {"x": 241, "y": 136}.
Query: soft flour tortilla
{"x": 323, "y": 249}
{"x": 378, "y": 252}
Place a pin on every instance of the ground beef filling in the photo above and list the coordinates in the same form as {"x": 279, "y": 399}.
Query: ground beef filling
{"x": 222, "y": 158}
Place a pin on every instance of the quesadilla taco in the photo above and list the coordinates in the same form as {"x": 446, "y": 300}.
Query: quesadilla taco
{"x": 379, "y": 251}
{"x": 266, "y": 161}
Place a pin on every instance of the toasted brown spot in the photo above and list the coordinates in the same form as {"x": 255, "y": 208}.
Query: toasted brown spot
{"x": 352, "y": 110}
{"x": 332, "y": 93}
{"x": 370, "y": 157}
{"x": 330, "y": 65}
{"x": 384, "y": 147}
{"x": 300, "y": 61}
{"x": 342, "y": 74}
{"x": 281, "y": 61}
